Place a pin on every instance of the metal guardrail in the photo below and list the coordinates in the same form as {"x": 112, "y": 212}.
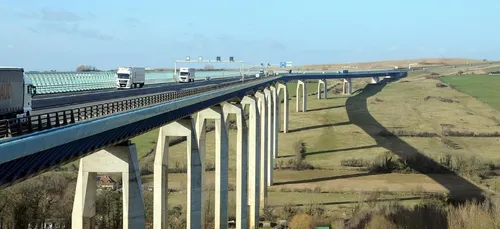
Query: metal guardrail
{"x": 20, "y": 126}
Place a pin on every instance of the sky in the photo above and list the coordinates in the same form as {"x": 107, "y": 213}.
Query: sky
{"x": 62, "y": 34}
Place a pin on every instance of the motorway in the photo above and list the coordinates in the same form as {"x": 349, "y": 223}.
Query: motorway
{"x": 54, "y": 102}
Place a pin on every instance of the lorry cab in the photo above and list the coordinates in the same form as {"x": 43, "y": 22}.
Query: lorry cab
{"x": 261, "y": 73}
{"x": 130, "y": 77}
{"x": 186, "y": 75}
{"x": 29, "y": 92}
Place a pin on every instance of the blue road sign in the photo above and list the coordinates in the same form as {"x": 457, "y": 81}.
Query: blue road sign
{"x": 282, "y": 64}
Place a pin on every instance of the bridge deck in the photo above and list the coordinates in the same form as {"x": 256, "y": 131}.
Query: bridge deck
{"x": 28, "y": 155}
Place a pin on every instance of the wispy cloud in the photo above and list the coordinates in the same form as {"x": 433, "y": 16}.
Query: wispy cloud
{"x": 52, "y": 15}
{"x": 133, "y": 21}
{"x": 72, "y": 29}
{"x": 62, "y": 21}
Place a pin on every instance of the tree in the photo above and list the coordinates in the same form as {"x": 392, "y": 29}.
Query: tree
{"x": 208, "y": 67}
{"x": 86, "y": 68}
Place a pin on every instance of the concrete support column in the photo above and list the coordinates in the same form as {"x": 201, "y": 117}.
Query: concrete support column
{"x": 347, "y": 86}
{"x": 301, "y": 84}
{"x": 270, "y": 136}
{"x": 320, "y": 83}
{"x": 254, "y": 160}
{"x": 286, "y": 110}
{"x": 375, "y": 80}
{"x": 221, "y": 159}
{"x": 160, "y": 180}
{"x": 195, "y": 176}
{"x": 262, "y": 107}
{"x": 121, "y": 158}
{"x": 276, "y": 124}
{"x": 241, "y": 162}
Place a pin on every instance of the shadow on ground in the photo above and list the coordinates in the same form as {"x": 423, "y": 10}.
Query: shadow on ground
{"x": 319, "y": 126}
{"x": 325, "y": 108}
{"x": 332, "y": 151}
{"x": 350, "y": 202}
{"x": 324, "y": 178}
{"x": 357, "y": 110}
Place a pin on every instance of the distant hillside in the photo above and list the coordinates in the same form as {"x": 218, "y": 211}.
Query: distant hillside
{"x": 389, "y": 64}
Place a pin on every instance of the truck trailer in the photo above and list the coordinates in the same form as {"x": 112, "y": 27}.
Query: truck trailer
{"x": 130, "y": 77}
{"x": 16, "y": 93}
{"x": 186, "y": 75}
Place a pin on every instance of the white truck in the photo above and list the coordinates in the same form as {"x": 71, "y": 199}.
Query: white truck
{"x": 16, "y": 93}
{"x": 186, "y": 75}
{"x": 130, "y": 77}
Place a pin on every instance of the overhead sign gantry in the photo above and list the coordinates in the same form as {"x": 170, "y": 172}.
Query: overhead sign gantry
{"x": 200, "y": 59}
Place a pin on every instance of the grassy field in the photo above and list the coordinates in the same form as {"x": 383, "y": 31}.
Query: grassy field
{"x": 483, "y": 87}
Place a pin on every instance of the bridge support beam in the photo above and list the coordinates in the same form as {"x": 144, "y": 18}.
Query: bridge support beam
{"x": 221, "y": 159}
{"x": 195, "y": 175}
{"x": 347, "y": 86}
{"x": 375, "y": 80}
{"x": 241, "y": 162}
{"x": 270, "y": 137}
{"x": 286, "y": 109}
{"x": 320, "y": 83}
{"x": 254, "y": 159}
{"x": 301, "y": 84}
{"x": 276, "y": 124}
{"x": 262, "y": 107}
{"x": 120, "y": 158}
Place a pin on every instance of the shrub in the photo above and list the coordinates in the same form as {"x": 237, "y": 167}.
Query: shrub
{"x": 403, "y": 133}
{"x": 301, "y": 221}
{"x": 300, "y": 150}
{"x": 287, "y": 212}
{"x": 380, "y": 222}
{"x": 315, "y": 210}
{"x": 441, "y": 99}
{"x": 354, "y": 162}
{"x": 441, "y": 85}
{"x": 452, "y": 133}
{"x": 298, "y": 165}
{"x": 451, "y": 144}
{"x": 268, "y": 214}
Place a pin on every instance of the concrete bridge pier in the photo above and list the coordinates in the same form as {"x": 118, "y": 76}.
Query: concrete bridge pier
{"x": 321, "y": 83}
{"x": 301, "y": 84}
{"x": 184, "y": 127}
{"x": 347, "y": 86}
{"x": 121, "y": 158}
{"x": 241, "y": 162}
{"x": 276, "y": 124}
{"x": 270, "y": 136}
{"x": 262, "y": 107}
{"x": 375, "y": 80}
{"x": 221, "y": 159}
{"x": 254, "y": 134}
{"x": 286, "y": 110}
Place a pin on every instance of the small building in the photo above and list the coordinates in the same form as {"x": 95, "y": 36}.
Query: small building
{"x": 106, "y": 182}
